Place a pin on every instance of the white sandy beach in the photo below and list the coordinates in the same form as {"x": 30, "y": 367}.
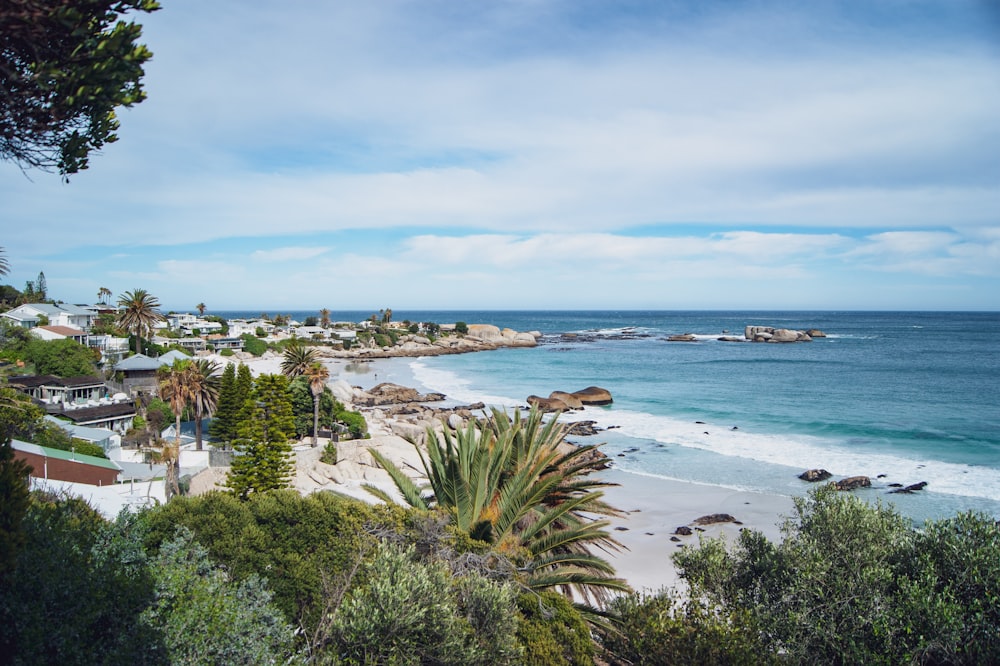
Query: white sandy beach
{"x": 655, "y": 507}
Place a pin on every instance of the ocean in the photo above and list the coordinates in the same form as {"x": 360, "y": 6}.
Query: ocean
{"x": 900, "y": 397}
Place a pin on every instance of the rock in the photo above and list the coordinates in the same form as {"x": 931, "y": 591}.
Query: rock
{"x": 683, "y": 530}
{"x": 784, "y": 335}
{"x": 547, "y": 404}
{"x": 455, "y": 422}
{"x": 731, "y": 338}
{"x": 714, "y": 518}
{"x": 487, "y": 332}
{"x": 853, "y": 482}
{"x": 673, "y": 538}
{"x": 594, "y": 395}
{"x": 683, "y": 337}
{"x": 911, "y": 488}
{"x": 582, "y": 428}
{"x": 815, "y": 333}
{"x": 571, "y": 400}
{"x": 814, "y": 475}
{"x": 342, "y": 391}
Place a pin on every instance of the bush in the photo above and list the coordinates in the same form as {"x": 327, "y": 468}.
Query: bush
{"x": 383, "y": 340}
{"x": 253, "y": 344}
{"x": 329, "y": 455}
{"x": 226, "y": 352}
{"x": 461, "y": 327}
{"x": 357, "y": 427}
{"x": 853, "y": 583}
{"x": 552, "y": 632}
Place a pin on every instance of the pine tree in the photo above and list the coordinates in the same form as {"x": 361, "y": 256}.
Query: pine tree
{"x": 223, "y": 426}
{"x": 266, "y": 427}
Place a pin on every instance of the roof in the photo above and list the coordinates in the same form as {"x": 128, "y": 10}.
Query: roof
{"x": 138, "y": 362}
{"x": 64, "y": 330}
{"x": 173, "y": 355}
{"x": 86, "y": 414}
{"x": 27, "y": 447}
{"x": 34, "y": 381}
{"x": 81, "y": 380}
{"x": 88, "y": 433}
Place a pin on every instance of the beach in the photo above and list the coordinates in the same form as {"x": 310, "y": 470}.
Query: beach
{"x": 653, "y": 507}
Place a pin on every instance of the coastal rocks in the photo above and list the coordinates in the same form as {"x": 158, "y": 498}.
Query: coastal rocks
{"x": 392, "y": 394}
{"x": 771, "y": 334}
{"x": 583, "y": 428}
{"x": 853, "y": 483}
{"x": 815, "y": 333}
{"x": 594, "y": 395}
{"x": 814, "y": 475}
{"x": 911, "y": 488}
{"x": 683, "y": 337}
{"x": 561, "y": 401}
{"x": 683, "y": 530}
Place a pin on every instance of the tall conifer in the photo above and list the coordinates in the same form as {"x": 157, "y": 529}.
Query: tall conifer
{"x": 223, "y": 425}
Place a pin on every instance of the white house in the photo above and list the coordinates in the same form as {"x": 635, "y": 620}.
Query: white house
{"x": 60, "y": 333}
{"x": 30, "y": 315}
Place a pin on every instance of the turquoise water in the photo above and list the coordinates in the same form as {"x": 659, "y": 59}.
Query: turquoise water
{"x": 911, "y": 396}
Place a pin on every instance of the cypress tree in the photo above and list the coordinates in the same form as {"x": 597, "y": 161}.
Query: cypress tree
{"x": 223, "y": 426}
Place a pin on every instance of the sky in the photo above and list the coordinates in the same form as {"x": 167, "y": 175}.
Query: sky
{"x": 539, "y": 154}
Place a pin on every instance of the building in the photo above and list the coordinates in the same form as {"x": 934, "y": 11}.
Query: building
{"x": 138, "y": 372}
{"x": 47, "y": 463}
{"x": 31, "y": 315}
{"x": 51, "y": 332}
{"x": 54, "y": 392}
{"x": 117, "y": 416}
{"x": 103, "y": 437}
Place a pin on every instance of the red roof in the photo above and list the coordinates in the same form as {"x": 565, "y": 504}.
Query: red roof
{"x": 64, "y": 330}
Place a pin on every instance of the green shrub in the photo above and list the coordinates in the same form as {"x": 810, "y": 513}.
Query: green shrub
{"x": 357, "y": 427}
{"x": 253, "y": 344}
{"x": 552, "y": 632}
{"x": 461, "y": 327}
{"x": 329, "y": 455}
{"x": 661, "y": 629}
{"x": 383, "y": 340}
{"x": 226, "y": 352}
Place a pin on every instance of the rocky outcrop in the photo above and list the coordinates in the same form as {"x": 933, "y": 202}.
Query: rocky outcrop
{"x": 911, "y": 488}
{"x": 393, "y": 394}
{"x": 815, "y": 333}
{"x": 853, "y": 483}
{"x": 714, "y": 518}
{"x": 814, "y": 475}
{"x": 547, "y": 404}
{"x": 683, "y": 337}
{"x": 571, "y": 401}
{"x": 771, "y": 334}
{"x": 594, "y": 395}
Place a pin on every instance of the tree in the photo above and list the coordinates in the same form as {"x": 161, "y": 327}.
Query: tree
{"x": 204, "y": 393}
{"x": 17, "y": 412}
{"x": 317, "y": 374}
{"x": 266, "y": 427}
{"x": 506, "y": 481}
{"x": 65, "y": 66}
{"x": 324, "y": 317}
{"x": 223, "y": 426}
{"x": 62, "y": 358}
{"x": 201, "y": 308}
{"x": 177, "y": 386}
{"x": 140, "y": 311}
{"x": 41, "y": 287}
{"x": 4, "y": 264}
{"x": 297, "y": 358}
{"x": 103, "y": 295}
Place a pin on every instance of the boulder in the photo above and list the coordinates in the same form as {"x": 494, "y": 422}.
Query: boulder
{"x": 582, "y": 428}
{"x": 455, "y": 421}
{"x": 815, "y": 333}
{"x": 731, "y": 338}
{"x": 682, "y": 337}
{"x": 486, "y": 332}
{"x": 714, "y": 518}
{"x": 853, "y": 482}
{"x": 594, "y": 395}
{"x": 547, "y": 404}
{"x": 683, "y": 530}
{"x": 342, "y": 391}
{"x": 784, "y": 335}
{"x": 813, "y": 475}
{"x": 524, "y": 340}
{"x": 911, "y": 488}
{"x": 571, "y": 400}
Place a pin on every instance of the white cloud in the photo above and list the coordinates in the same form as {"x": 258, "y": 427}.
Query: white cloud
{"x": 288, "y": 253}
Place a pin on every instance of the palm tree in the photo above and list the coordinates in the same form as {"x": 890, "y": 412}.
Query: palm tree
{"x": 176, "y": 387}
{"x": 324, "y": 318}
{"x": 205, "y": 383}
{"x": 4, "y": 264}
{"x": 317, "y": 374}
{"x": 297, "y": 358}
{"x": 512, "y": 482}
{"x": 103, "y": 294}
{"x": 201, "y": 308}
{"x": 140, "y": 310}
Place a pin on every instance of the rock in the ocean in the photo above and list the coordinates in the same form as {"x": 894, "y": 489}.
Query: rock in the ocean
{"x": 571, "y": 400}
{"x": 594, "y": 395}
{"x": 815, "y": 333}
{"x": 911, "y": 488}
{"x": 547, "y": 404}
{"x": 682, "y": 337}
{"x": 813, "y": 475}
{"x": 853, "y": 482}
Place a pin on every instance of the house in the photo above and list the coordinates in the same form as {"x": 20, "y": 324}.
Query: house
{"x": 48, "y": 463}
{"x": 311, "y": 332}
{"x": 51, "y": 332}
{"x": 54, "y": 392}
{"x": 139, "y": 371}
{"x": 105, "y": 438}
{"x": 117, "y": 416}
{"x": 31, "y": 315}
{"x": 192, "y": 344}
{"x": 220, "y": 343}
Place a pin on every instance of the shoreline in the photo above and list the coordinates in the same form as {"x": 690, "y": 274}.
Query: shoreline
{"x": 653, "y": 507}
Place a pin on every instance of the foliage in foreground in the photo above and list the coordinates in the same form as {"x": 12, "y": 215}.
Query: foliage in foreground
{"x": 851, "y": 583}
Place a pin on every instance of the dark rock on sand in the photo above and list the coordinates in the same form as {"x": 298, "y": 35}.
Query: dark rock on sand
{"x": 853, "y": 483}
{"x": 813, "y": 475}
{"x": 714, "y": 518}
{"x": 683, "y": 530}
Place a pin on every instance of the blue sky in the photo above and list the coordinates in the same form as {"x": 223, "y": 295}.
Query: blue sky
{"x": 540, "y": 154}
